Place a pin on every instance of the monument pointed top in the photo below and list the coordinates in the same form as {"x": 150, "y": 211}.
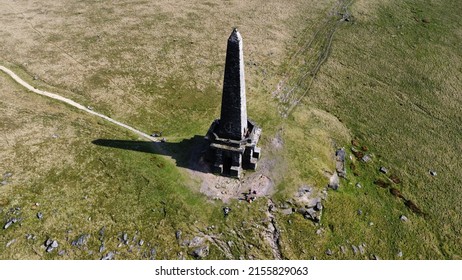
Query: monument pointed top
{"x": 235, "y": 36}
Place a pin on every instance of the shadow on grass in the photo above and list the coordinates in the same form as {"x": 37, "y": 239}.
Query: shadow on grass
{"x": 188, "y": 153}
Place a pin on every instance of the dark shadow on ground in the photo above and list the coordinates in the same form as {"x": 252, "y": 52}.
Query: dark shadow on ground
{"x": 188, "y": 153}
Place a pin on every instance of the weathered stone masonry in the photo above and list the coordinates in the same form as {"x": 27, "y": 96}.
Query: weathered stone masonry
{"x": 233, "y": 138}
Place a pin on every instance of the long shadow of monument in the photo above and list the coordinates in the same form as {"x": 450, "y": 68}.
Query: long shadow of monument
{"x": 188, "y": 153}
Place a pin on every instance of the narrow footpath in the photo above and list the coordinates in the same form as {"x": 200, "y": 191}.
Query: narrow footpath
{"x": 73, "y": 103}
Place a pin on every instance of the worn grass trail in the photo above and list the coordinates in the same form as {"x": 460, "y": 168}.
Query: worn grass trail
{"x": 72, "y": 103}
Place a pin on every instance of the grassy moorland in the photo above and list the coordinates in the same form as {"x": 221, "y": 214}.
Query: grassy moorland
{"x": 385, "y": 77}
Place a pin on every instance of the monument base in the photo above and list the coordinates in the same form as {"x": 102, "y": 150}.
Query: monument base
{"x": 230, "y": 157}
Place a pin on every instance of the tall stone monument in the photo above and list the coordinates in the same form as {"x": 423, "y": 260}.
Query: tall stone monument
{"x": 233, "y": 138}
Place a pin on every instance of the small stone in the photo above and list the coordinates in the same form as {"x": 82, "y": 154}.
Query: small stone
{"x": 319, "y": 231}
{"x": 48, "y": 242}
{"x": 4, "y": 182}
{"x": 355, "y": 249}
{"x": 400, "y": 254}
{"x": 384, "y": 170}
{"x": 178, "y": 234}
{"x": 226, "y": 211}
{"x": 8, "y": 224}
{"x": 329, "y": 252}
{"x": 81, "y": 240}
{"x": 54, "y": 244}
{"x": 200, "y": 252}
{"x": 371, "y": 224}
{"x": 343, "y": 249}
{"x": 102, "y": 248}
{"x": 432, "y": 173}
{"x": 49, "y": 249}
{"x": 360, "y": 212}
{"x": 361, "y": 249}
{"x": 10, "y": 242}
{"x": 375, "y": 257}
{"x": 39, "y": 215}
{"x": 35, "y": 77}
{"x": 7, "y": 175}
{"x": 334, "y": 182}
{"x": 125, "y": 237}
{"x": 403, "y": 218}
{"x": 358, "y": 185}
{"x": 101, "y": 231}
{"x": 366, "y": 158}
{"x": 61, "y": 252}
{"x": 108, "y": 256}
{"x": 141, "y": 242}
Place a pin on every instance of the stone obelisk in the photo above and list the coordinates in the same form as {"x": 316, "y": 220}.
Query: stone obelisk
{"x": 233, "y": 119}
{"x": 233, "y": 138}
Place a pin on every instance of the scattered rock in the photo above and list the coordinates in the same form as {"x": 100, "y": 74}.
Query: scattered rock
{"x": 7, "y": 175}
{"x": 361, "y": 249}
{"x": 375, "y": 257}
{"x": 61, "y": 253}
{"x": 343, "y": 249}
{"x": 125, "y": 237}
{"x": 196, "y": 241}
{"x": 355, "y": 249}
{"x": 36, "y": 77}
{"x": 400, "y": 254}
{"x": 358, "y": 185}
{"x": 50, "y": 245}
{"x": 178, "y": 234}
{"x": 200, "y": 252}
{"x": 3, "y": 183}
{"x": 371, "y": 224}
{"x": 319, "y": 231}
{"x": 432, "y": 172}
{"x": 10, "y": 242}
{"x": 152, "y": 254}
{"x": 48, "y": 242}
{"x": 39, "y": 215}
{"x": 366, "y": 158}
{"x": 403, "y": 218}
{"x": 108, "y": 256}
{"x": 384, "y": 170}
{"x": 360, "y": 212}
{"x": 287, "y": 211}
{"x": 141, "y": 242}
{"x": 226, "y": 210}
{"x": 329, "y": 252}
{"x": 102, "y": 248}
{"x": 10, "y": 222}
{"x": 312, "y": 202}
{"x": 102, "y": 231}
{"x": 81, "y": 240}
{"x": 334, "y": 182}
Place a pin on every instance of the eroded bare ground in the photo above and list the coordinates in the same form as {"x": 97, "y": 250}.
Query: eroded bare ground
{"x": 262, "y": 181}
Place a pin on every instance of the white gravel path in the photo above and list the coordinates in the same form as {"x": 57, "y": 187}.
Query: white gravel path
{"x": 72, "y": 103}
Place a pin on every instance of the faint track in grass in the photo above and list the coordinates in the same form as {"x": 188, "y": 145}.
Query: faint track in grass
{"x": 73, "y": 103}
